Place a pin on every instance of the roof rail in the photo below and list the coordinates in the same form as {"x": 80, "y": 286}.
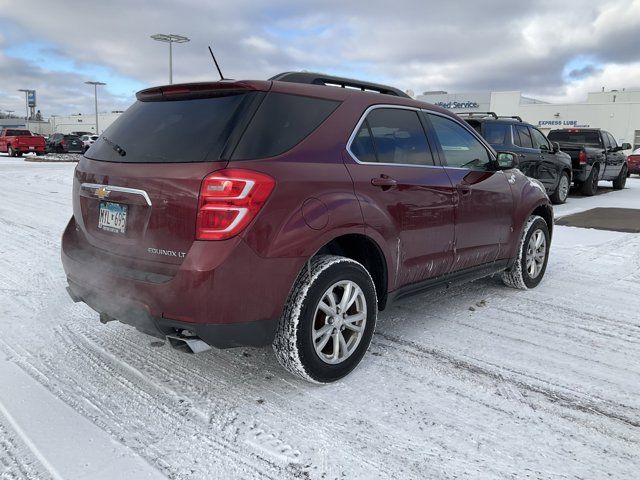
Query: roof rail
{"x": 479, "y": 114}
{"x": 515, "y": 117}
{"x": 330, "y": 80}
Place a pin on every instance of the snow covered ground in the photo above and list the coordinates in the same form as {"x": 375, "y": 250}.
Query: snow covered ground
{"x": 478, "y": 382}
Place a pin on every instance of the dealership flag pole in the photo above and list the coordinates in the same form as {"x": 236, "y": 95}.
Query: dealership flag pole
{"x": 95, "y": 100}
{"x": 170, "y": 39}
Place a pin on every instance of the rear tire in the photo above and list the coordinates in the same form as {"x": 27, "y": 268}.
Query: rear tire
{"x": 531, "y": 262}
{"x": 621, "y": 179}
{"x": 313, "y": 333}
{"x": 562, "y": 190}
{"x": 590, "y": 185}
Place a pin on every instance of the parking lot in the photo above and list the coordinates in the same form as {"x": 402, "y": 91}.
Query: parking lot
{"x": 479, "y": 382}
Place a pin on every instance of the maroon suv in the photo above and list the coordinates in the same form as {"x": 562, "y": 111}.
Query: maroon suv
{"x": 290, "y": 212}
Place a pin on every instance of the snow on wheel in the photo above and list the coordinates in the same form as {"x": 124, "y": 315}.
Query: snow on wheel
{"x": 328, "y": 321}
{"x": 533, "y": 254}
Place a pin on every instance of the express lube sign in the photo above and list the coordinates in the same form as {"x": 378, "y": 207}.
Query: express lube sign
{"x": 559, "y": 123}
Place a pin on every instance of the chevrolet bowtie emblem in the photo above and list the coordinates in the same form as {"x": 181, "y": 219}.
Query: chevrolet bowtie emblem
{"x": 101, "y": 193}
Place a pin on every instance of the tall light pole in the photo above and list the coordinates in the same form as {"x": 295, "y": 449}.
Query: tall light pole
{"x": 95, "y": 99}
{"x": 170, "y": 38}
{"x": 26, "y": 103}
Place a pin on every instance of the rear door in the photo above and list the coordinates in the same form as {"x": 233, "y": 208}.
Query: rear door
{"x": 137, "y": 193}
{"x": 404, "y": 195}
{"x": 484, "y": 202}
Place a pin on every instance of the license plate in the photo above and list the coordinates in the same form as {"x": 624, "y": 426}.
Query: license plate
{"x": 113, "y": 217}
{"x": 32, "y": 148}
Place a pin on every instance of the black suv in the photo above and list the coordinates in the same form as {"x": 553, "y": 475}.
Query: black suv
{"x": 62, "y": 143}
{"x": 537, "y": 156}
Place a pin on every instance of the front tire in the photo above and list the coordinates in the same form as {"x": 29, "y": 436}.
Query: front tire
{"x": 562, "y": 190}
{"x": 328, "y": 321}
{"x": 533, "y": 255}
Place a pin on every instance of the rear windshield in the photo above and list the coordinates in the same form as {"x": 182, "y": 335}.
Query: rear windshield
{"x": 583, "y": 138}
{"x": 18, "y": 133}
{"x": 71, "y": 137}
{"x": 197, "y": 130}
{"x": 192, "y": 130}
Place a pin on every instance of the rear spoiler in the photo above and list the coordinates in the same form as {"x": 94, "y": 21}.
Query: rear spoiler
{"x": 184, "y": 91}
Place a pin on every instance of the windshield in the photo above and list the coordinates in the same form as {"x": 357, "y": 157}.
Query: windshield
{"x": 581, "y": 137}
{"x": 192, "y": 130}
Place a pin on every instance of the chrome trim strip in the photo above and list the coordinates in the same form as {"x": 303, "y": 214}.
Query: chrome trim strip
{"x": 464, "y": 125}
{"x": 114, "y": 188}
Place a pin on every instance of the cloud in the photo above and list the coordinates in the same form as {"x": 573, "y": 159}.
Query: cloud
{"x": 460, "y": 45}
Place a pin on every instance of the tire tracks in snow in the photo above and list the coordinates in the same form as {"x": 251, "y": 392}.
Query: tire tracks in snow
{"x": 558, "y": 395}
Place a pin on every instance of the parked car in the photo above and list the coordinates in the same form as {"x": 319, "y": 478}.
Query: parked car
{"x": 288, "y": 212}
{"x": 537, "y": 157}
{"x": 87, "y": 141}
{"x": 633, "y": 161}
{"x": 62, "y": 143}
{"x": 595, "y": 156}
{"x": 16, "y": 141}
{"x": 80, "y": 133}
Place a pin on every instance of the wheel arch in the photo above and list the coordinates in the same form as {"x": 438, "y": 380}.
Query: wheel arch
{"x": 364, "y": 250}
{"x": 546, "y": 212}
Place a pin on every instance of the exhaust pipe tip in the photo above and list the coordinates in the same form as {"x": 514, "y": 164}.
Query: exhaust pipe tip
{"x": 188, "y": 344}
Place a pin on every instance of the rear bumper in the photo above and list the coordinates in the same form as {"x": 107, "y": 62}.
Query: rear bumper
{"x": 256, "y": 333}
{"x": 29, "y": 150}
{"x": 580, "y": 174}
{"x": 223, "y": 291}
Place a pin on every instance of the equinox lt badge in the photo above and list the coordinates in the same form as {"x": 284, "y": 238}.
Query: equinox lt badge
{"x": 168, "y": 253}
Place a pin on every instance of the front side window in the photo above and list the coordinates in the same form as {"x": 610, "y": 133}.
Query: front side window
{"x": 398, "y": 138}
{"x": 460, "y": 148}
{"x": 612, "y": 140}
{"x": 539, "y": 140}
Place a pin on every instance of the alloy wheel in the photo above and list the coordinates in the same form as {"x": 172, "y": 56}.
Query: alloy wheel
{"x": 339, "y": 322}
{"x": 536, "y": 253}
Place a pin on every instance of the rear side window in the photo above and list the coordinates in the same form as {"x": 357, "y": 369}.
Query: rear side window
{"x": 192, "y": 130}
{"x": 281, "y": 122}
{"x": 522, "y": 136}
{"x": 398, "y": 137}
{"x": 496, "y": 133}
{"x": 362, "y": 145}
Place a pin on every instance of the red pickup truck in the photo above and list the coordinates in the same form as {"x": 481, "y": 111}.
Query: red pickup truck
{"x": 15, "y": 142}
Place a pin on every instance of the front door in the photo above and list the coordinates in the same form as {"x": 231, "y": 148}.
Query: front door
{"x": 484, "y": 202}
{"x": 405, "y": 197}
{"x": 549, "y": 169}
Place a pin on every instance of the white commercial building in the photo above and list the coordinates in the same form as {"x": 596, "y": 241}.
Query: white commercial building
{"x": 617, "y": 112}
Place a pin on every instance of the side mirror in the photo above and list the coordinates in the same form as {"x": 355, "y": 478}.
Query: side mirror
{"x": 626, "y": 146}
{"x": 555, "y": 147}
{"x": 507, "y": 160}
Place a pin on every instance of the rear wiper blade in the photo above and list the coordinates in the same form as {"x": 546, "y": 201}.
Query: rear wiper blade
{"x": 121, "y": 151}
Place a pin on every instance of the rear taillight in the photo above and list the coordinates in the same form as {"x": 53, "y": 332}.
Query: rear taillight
{"x": 582, "y": 157}
{"x": 62, "y": 143}
{"x": 229, "y": 200}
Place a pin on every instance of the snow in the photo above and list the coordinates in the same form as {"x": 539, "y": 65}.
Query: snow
{"x": 480, "y": 381}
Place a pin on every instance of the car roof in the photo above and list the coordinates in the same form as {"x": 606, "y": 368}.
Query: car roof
{"x": 296, "y": 83}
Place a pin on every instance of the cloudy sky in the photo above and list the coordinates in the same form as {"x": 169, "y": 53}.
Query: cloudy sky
{"x": 549, "y": 49}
